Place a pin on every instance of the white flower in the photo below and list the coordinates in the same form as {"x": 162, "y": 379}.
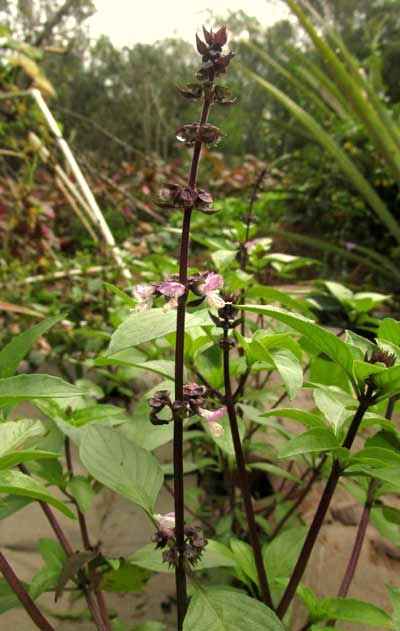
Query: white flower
{"x": 166, "y": 522}
{"x": 214, "y": 300}
{"x": 216, "y": 429}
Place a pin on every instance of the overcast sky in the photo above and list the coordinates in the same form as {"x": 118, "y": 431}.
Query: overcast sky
{"x": 130, "y": 21}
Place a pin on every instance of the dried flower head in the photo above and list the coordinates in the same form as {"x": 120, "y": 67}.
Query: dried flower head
{"x": 158, "y": 402}
{"x": 174, "y": 196}
{"x": 382, "y": 357}
{"x": 214, "y": 62}
{"x": 193, "y": 132}
{"x": 194, "y": 395}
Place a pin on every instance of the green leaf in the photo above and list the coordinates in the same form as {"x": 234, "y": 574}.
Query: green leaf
{"x": 355, "y": 611}
{"x": 244, "y": 557}
{"x": 224, "y": 609}
{"x": 390, "y": 475}
{"x": 364, "y": 302}
{"x": 127, "y": 469}
{"x": 387, "y": 529}
{"x": 17, "y": 457}
{"x": 388, "y": 381}
{"x": 391, "y": 514}
{"x": 26, "y": 387}
{"x": 223, "y": 258}
{"x": 302, "y": 416}
{"x": 335, "y": 405}
{"x": 274, "y": 470}
{"x": 271, "y": 294}
{"x": 15, "y": 434}
{"x": 118, "y": 292}
{"x": 95, "y": 413}
{"x": 284, "y": 360}
{"x": 289, "y": 369}
{"x": 20, "y": 484}
{"x": 140, "y": 431}
{"x": 281, "y": 554}
{"x": 279, "y": 341}
{"x": 47, "y": 577}
{"x": 377, "y": 457}
{"x": 325, "y": 341}
{"x": 12, "y": 354}
{"x": 71, "y": 566}
{"x": 144, "y": 326}
{"x": 13, "y": 503}
{"x": 82, "y": 491}
{"x": 8, "y": 599}
{"x": 150, "y": 626}
{"x": 389, "y": 330}
{"x": 127, "y": 578}
{"x": 314, "y": 440}
{"x": 362, "y": 370}
{"x": 362, "y": 344}
{"x": 338, "y": 290}
{"x": 395, "y": 599}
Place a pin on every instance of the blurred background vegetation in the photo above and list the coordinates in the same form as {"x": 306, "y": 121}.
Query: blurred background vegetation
{"x": 119, "y": 109}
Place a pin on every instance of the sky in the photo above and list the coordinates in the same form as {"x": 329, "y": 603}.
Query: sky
{"x": 131, "y": 21}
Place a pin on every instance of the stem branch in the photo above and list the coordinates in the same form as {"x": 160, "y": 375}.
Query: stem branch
{"x": 23, "y": 596}
{"x": 322, "y": 509}
{"x": 69, "y": 552}
{"x": 243, "y": 479}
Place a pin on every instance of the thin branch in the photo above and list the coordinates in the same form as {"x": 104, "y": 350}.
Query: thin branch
{"x": 94, "y": 576}
{"x": 243, "y": 479}
{"x": 322, "y": 509}
{"x": 69, "y": 552}
{"x": 26, "y": 601}
{"x": 206, "y": 383}
{"x": 362, "y": 527}
{"x": 299, "y": 499}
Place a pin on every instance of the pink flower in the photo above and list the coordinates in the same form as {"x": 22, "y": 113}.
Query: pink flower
{"x": 211, "y": 282}
{"x": 211, "y": 417}
{"x": 251, "y": 245}
{"x": 173, "y": 291}
{"x": 144, "y": 295}
{"x": 209, "y": 288}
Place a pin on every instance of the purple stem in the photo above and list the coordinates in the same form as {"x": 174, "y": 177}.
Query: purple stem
{"x": 23, "y": 596}
{"x": 101, "y": 603}
{"x": 69, "y": 552}
{"x": 322, "y": 509}
{"x": 243, "y": 479}
{"x": 180, "y": 574}
{"x": 299, "y": 499}
{"x": 362, "y": 528}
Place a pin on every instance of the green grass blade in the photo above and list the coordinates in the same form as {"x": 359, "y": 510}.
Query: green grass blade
{"x": 351, "y": 88}
{"x": 346, "y": 164}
